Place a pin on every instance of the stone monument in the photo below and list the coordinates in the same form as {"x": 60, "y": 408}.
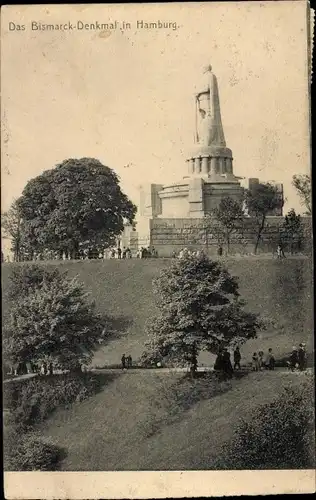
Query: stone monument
{"x": 209, "y": 162}
{"x": 172, "y": 215}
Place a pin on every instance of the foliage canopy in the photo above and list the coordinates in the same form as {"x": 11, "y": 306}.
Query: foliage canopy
{"x": 199, "y": 309}
{"x": 51, "y": 318}
{"x": 78, "y": 204}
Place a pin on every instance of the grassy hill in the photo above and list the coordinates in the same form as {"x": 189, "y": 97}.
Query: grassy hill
{"x": 136, "y": 423}
{"x": 280, "y": 290}
{"x": 158, "y": 421}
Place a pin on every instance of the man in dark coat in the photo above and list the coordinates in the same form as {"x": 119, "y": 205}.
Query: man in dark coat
{"x": 302, "y": 357}
{"x": 237, "y": 358}
{"x": 227, "y": 366}
{"x": 294, "y": 359}
{"x": 270, "y": 360}
{"x": 218, "y": 365}
{"x": 123, "y": 360}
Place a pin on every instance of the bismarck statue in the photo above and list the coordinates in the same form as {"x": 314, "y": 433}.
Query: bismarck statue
{"x": 208, "y": 122}
{"x": 209, "y": 156}
{"x": 209, "y": 175}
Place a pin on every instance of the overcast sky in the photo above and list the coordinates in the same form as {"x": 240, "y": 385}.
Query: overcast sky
{"x": 126, "y": 97}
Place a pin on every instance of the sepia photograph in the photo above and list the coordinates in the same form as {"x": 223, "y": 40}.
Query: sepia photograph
{"x": 156, "y": 249}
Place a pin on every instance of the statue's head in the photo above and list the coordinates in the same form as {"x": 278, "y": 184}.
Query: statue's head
{"x": 207, "y": 69}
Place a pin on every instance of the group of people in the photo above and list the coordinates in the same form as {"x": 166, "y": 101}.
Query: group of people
{"x": 280, "y": 252}
{"x": 118, "y": 253}
{"x": 184, "y": 252}
{"x": 42, "y": 368}
{"x": 223, "y": 362}
{"x": 260, "y": 361}
{"x": 46, "y": 368}
{"x": 146, "y": 253}
{"x": 126, "y": 253}
{"x": 298, "y": 358}
{"x": 126, "y": 361}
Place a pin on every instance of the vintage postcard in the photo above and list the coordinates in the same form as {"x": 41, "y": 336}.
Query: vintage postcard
{"x": 157, "y": 250}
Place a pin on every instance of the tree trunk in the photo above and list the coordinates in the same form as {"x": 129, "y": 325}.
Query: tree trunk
{"x": 75, "y": 368}
{"x": 228, "y": 243}
{"x": 194, "y": 363}
{"x": 74, "y": 251}
{"x": 292, "y": 246}
{"x": 259, "y": 234}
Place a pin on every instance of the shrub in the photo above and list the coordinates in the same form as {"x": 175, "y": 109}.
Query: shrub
{"x": 51, "y": 317}
{"x": 33, "y": 400}
{"x": 26, "y": 452}
{"x": 26, "y": 278}
{"x": 279, "y": 435}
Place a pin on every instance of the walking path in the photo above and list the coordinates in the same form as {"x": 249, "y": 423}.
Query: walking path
{"x": 154, "y": 370}
{"x": 20, "y": 377}
{"x": 113, "y": 370}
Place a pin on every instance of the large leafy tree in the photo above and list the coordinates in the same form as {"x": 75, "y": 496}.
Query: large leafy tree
{"x": 199, "y": 309}
{"x": 291, "y": 230}
{"x": 77, "y": 205}
{"x": 302, "y": 184}
{"x": 50, "y": 317}
{"x": 11, "y": 225}
{"x": 260, "y": 201}
{"x": 229, "y": 216}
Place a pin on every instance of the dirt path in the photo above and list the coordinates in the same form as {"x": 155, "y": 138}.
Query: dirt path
{"x": 157, "y": 371}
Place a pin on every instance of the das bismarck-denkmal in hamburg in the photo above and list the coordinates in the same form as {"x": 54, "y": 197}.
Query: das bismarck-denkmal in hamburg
{"x": 172, "y": 335}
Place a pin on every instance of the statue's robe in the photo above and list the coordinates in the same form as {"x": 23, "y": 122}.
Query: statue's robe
{"x": 209, "y": 123}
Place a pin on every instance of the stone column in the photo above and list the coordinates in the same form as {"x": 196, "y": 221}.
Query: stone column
{"x": 204, "y": 165}
{"x": 229, "y": 166}
{"x": 222, "y": 166}
{"x": 209, "y": 165}
{"x": 197, "y": 165}
{"x": 213, "y": 166}
{"x": 191, "y": 166}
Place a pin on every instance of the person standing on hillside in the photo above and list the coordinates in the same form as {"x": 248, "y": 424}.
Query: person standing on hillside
{"x": 237, "y": 358}
{"x": 119, "y": 252}
{"x": 260, "y": 359}
{"x": 280, "y": 251}
{"x": 294, "y": 361}
{"x": 129, "y": 361}
{"x": 302, "y": 357}
{"x": 270, "y": 362}
{"x": 218, "y": 365}
{"x": 123, "y": 361}
{"x": 44, "y": 368}
{"x": 255, "y": 362}
{"x": 227, "y": 366}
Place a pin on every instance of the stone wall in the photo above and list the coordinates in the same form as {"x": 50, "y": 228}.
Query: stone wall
{"x": 170, "y": 235}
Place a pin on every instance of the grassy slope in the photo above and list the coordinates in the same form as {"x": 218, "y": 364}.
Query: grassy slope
{"x": 109, "y": 431}
{"x": 278, "y": 289}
